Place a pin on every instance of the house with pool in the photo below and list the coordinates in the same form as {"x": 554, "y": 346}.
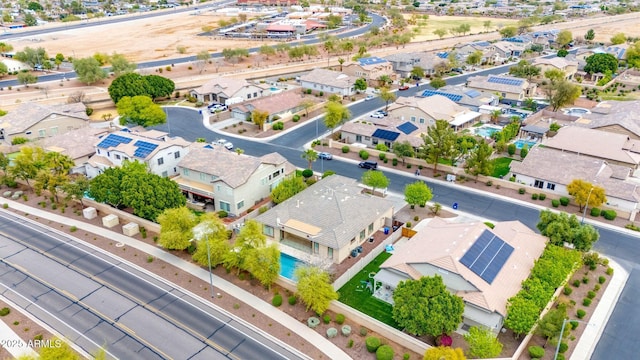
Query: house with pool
{"x": 511, "y": 90}
{"x": 484, "y": 266}
{"x": 327, "y": 220}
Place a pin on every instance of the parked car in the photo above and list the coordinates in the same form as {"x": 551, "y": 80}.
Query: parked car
{"x": 227, "y": 144}
{"x": 384, "y": 113}
{"x": 369, "y": 97}
{"x": 404, "y": 87}
{"x": 325, "y": 156}
{"x": 376, "y": 115}
{"x": 217, "y": 107}
{"x": 371, "y": 165}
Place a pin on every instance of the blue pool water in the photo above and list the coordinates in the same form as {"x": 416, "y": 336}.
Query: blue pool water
{"x": 273, "y": 88}
{"x": 486, "y": 131}
{"x": 287, "y": 265}
{"x": 521, "y": 143}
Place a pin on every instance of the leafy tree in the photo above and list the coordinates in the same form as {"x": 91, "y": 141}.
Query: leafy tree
{"x": 564, "y": 38}
{"x": 201, "y": 60}
{"x": 120, "y": 65}
{"x": 46, "y": 180}
{"x": 537, "y": 48}
{"x": 425, "y": 306}
{"x": 601, "y": 63}
{"x": 287, "y": 188}
{"x": 159, "y": 86}
{"x": 89, "y": 70}
{"x": 5, "y": 47}
{"x": 259, "y": 117}
{"x": 562, "y": 53}
{"x": 264, "y": 264}
{"x": 59, "y": 349}
{"x": 31, "y": 56}
{"x": 27, "y": 164}
{"x": 590, "y": 35}
{"x": 214, "y": 242}
{"x": 538, "y": 291}
{"x": 101, "y": 58}
{"x": 360, "y": 84}
{"x": 551, "y": 323}
{"x": 4, "y": 70}
{"x": 437, "y": 83}
{"x": 267, "y": 51}
{"x": 474, "y": 58}
{"x": 129, "y": 84}
{"x": 522, "y": 315}
{"x": 561, "y": 228}
{"x": 176, "y": 226}
{"x": 30, "y": 20}
{"x": 376, "y": 179}
{"x": 619, "y": 38}
{"x": 140, "y": 110}
{"x": 335, "y": 115}
{"x": 439, "y": 143}
{"x": 26, "y": 78}
{"x": 555, "y": 75}
{"x": 561, "y": 93}
{"x": 524, "y": 69}
{"x": 314, "y": 288}
{"x": 403, "y": 150}
{"x": 633, "y": 55}
{"x": 479, "y": 161}
{"x": 106, "y": 187}
{"x": 150, "y": 194}
{"x": 483, "y": 344}
{"x": 76, "y": 188}
{"x": 508, "y": 31}
{"x": 417, "y": 72}
{"x": 440, "y": 33}
{"x": 306, "y": 104}
{"x": 582, "y": 191}
{"x": 310, "y": 156}
{"x": 444, "y": 353}
{"x": 417, "y": 193}
{"x": 34, "y": 6}
{"x": 387, "y": 96}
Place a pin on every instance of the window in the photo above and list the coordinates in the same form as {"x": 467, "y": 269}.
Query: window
{"x": 330, "y": 253}
{"x": 240, "y": 205}
{"x": 160, "y": 161}
{"x": 421, "y": 121}
{"x": 367, "y": 138}
{"x": 316, "y": 248}
{"x": 539, "y": 184}
{"x": 370, "y": 228}
{"x": 358, "y": 138}
{"x": 413, "y": 119}
{"x": 275, "y": 174}
{"x": 42, "y": 133}
{"x": 255, "y": 94}
{"x": 176, "y": 155}
{"x": 203, "y": 176}
{"x": 99, "y": 151}
{"x": 267, "y": 230}
{"x": 185, "y": 172}
{"x": 248, "y": 96}
{"x": 165, "y": 174}
{"x": 362, "y": 234}
{"x": 374, "y": 141}
{"x": 117, "y": 157}
{"x": 551, "y": 186}
{"x": 225, "y": 206}
{"x": 54, "y": 130}
{"x": 353, "y": 240}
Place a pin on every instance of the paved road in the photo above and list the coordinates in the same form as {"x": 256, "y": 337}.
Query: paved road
{"x": 94, "y": 299}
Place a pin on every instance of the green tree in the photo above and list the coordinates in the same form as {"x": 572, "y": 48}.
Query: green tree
{"x": 439, "y": 143}
{"x": 27, "y": 164}
{"x": 34, "y": 6}
{"x": 619, "y": 38}
{"x": 287, "y": 188}
{"x": 601, "y": 63}
{"x": 562, "y": 53}
{"x": 212, "y": 242}
{"x": 479, "y": 161}
{"x": 306, "y": 104}
{"x": 314, "y": 288}
{"x": 5, "y": 47}
{"x": 444, "y": 353}
{"x": 158, "y": 86}
{"x": 538, "y": 291}
{"x": 561, "y": 228}
{"x": 487, "y": 25}
{"x": 403, "y": 150}
{"x": 551, "y": 323}
{"x": 387, "y": 96}
{"x": 437, "y": 83}
{"x": 88, "y": 70}
{"x": 561, "y": 93}
{"x": 259, "y": 117}
{"x": 376, "y": 179}
{"x": 524, "y": 69}
{"x": 201, "y": 60}
{"x": 119, "y": 64}
{"x": 360, "y": 84}
{"x": 633, "y": 55}
{"x": 555, "y": 75}
{"x": 537, "y": 48}
{"x": 267, "y": 51}
{"x": 564, "y": 38}
{"x": 150, "y": 194}
{"x": 483, "y": 344}
{"x": 76, "y": 188}
{"x": 583, "y": 191}
{"x": 425, "y": 306}
{"x": 140, "y": 110}
{"x": 590, "y": 35}
{"x": 508, "y": 31}
{"x": 31, "y": 56}
{"x": 335, "y": 115}
{"x": 474, "y": 58}
{"x": 417, "y": 193}
{"x": 26, "y": 78}
{"x": 522, "y": 315}
{"x": 176, "y": 228}
{"x": 264, "y": 264}
{"x": 129, "y": 84}
{"x": 417, "y": 72}
{"x": 58, "y": 349}
{"x": 440, "y": 33}
{"x": 310, "y": 156}
{"x": 30, "y": 20}
{"x": 106, "y": 187}
{"x": 4, "y": 70}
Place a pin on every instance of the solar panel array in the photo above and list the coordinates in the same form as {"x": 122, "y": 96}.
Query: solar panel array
{"x": 407, "y": 128}
{"x": 385, "y": 134}
{"x": 450, "y": 96}
{"x": 143, "y": 149}
{"x": 487, "y": 256}
{"x": 472, "y": 93}
{"x": 113, "y": 140}
{"x": 371, "y": 61}
{"x": 505, "y": 81}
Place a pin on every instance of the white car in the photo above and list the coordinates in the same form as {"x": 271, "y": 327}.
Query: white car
{"x": 377, "y": 115}
{"x": 217, "y": 107}
{"x": 369, "y": 97}
{"x": 227, "y": 144}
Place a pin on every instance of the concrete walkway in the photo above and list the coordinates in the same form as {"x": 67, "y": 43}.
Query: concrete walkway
{"x": 323, "y": 344}
{"x": 10, "y": 341}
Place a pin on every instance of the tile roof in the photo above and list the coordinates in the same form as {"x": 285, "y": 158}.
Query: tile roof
{"x": 623, "y": 113}
{"x": 275, "y": 103}
{"x": 335, "y": 205}
{"x": 75, "y": 143}
{"x": 443, "y": 244}
{"x": 436, "y": 106}
{"x": 138, "y": 145}
{"x": 557, "y": 62}
{"x": 222, "y": 85}
{"x": 29, "y": 114}
{"x": 485, "y": 83}
{"x": 329, "y": 78}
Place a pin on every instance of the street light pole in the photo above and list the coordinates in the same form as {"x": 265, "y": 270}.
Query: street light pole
{"x": 564, "y": 323}
{"x": 585, "y": 206}
{"x": 210, "y": 272}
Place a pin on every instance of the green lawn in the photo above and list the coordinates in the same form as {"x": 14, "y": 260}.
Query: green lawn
{"x": 501, "y": 166}
{"x": 355, "y": 294}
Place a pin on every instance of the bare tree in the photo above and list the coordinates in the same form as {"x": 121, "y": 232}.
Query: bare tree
{"x": 77, "y": 97}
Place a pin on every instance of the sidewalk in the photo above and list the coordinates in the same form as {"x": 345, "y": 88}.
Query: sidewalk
{"x": 327, "y": 347}
{"x": 13, "y": 343}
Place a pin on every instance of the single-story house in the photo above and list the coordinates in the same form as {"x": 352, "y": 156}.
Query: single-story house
{"x": 461, "y": 95}
{"x": 328, "y": 81}
{"x": 510, "y": 89}
{"x": 507, "y": 49}
{"x": 231, "y": 182}
{"x": 387, "y": 131}
{"x": 79, "y": 145}
{"x": 614, "y": 116}
{"x": 568, "y": 66}
{"x": 34, "y": 121}
{"x": 329, "y": 219}
{"x": 484, "y": 266}
{"x": 229, "y": 91}
{"x": 426, "y": 110}
{"x": 280, "y": 105}
{"x": 552, "y": 170}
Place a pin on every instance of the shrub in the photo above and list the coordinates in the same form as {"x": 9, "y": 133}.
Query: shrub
{"x": 601, "y": 279}
{"x": 313, "y": 321}
{"x": 307, "y": 173}
{"x": 586, "y": 302}
{"x": 408, "y": 225}
{"x": 292, "y": 300}
{"x": 574, "y": 324}
{"x": 394, "y": 162}
{"x": 222, "y": 214}
{"x": 406, "y": 356}
{"x": 576, "y": 283}
{"x": 277, "y": 300}
{"x": 88, "y": 111}
{"x": 326, "y": 319}
{"x": 296, "y": 118}
{"x": 416, "y": 218}
{"x": 73, "y": 229}
{"x": 408, "y": 166}
{"x": 581, "y": 313}
{"x": 332, "y": 332}
{"x": 609, "y": 271}
{"x": 567, "y": 290}
{"x": 382, "y": 156}
{"x": 564, "y": 201}
{"x": 18, "y": 140}
{"x": 534, "y": 196}
{"x": 364, "y": 155}
{"x": 5, "y": 311}
{"x": 591, "y": 294}
{"x": 563, "y": 348}
{"x": 489, "y": 225}
{"x": 555, "y": 203}
{"x": 5, "y": 206}
{"x": 536, "y": 352}
{"x": 610, "y": 214}
{"x": 595, "y": 212}
{"x": 345, "y": 149}
{"x": 585, "y": 280}
{"x": 489, "y": 183}
{"x": 350, "y": 344}
{"x": 521, "y": 191}
{"x": 542, "y": 196}
{"x": 372, "y": 343}
{"x": 384, "y": 352}
{"x": 596, "y": 287}
{"x": 278, "y": 125}
{"x": 346, "y": 330}
{"x": 340, "y": 319}
{"x": 363, "y": 331}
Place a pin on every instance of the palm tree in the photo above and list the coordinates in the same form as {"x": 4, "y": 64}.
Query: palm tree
{"x": 495, "y": 115}
{"x": 310, "y": 155}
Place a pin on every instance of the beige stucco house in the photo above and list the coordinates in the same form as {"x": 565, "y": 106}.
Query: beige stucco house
{"x": 329, "y": 82}
{"x": 228, "y": 91}
{"x": 279, "y": 106}
{"x": 231, "y": 182}
{"x": 569, "y": 67}
{"x": 509, "y": 89}
{"x": 327, "y": 220}
{"x": 424, "y": 111}
{"x": 370, "y": 69}
{"x": 79, "y": 145}
{"x": 483, "y": 266}
{"x": 34, "y": 121}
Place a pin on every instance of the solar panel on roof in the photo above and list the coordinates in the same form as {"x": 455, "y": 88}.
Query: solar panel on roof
{"x": 487, "y": 256}
{"x": 371, "y": 61}
{"x": 407, "y": 128}
{"x": 113, "y": 140}
{"x": 505, "y": 81}
{"x": 143, "y": 148}
{"x": 472, "y": 93}
{"x": 385, "y": 134}
{"x": 450, "y": 96}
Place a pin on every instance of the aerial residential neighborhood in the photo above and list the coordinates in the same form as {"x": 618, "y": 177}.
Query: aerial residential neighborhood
{"x": 310, "y": 180}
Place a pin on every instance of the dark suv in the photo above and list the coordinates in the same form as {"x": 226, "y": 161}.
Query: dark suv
{"x": 368, "y": 165}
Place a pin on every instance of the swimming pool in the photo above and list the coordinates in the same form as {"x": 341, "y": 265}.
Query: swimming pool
{"x": 577, "y": 111}
{"x": 521, "y": 143}
{"x": 487, "y": 131}
{"x": 287, "y": 265}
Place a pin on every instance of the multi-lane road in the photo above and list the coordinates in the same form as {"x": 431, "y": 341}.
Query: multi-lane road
{"x": 96, "y": 300}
